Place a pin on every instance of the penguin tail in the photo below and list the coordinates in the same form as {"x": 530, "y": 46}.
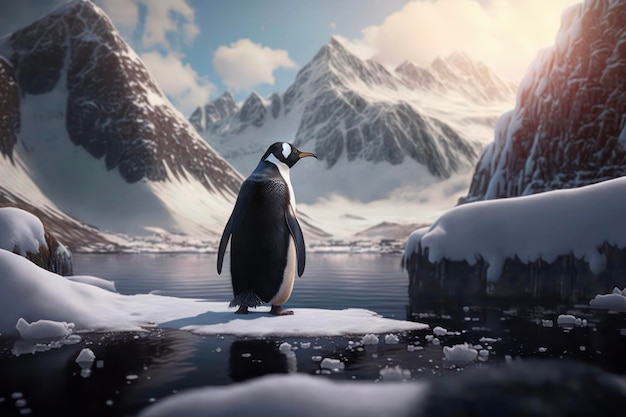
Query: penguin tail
{"x": 246, "y": 299}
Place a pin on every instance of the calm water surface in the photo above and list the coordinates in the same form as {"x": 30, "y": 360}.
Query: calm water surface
{"x": 138, "y": 369}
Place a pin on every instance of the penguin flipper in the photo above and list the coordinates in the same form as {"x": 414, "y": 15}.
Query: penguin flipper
{"x": 223, "y": 242}
{"x": 298, "y": 238}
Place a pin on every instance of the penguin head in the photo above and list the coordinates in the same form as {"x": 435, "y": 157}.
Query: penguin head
{"x": 285, "y": 153}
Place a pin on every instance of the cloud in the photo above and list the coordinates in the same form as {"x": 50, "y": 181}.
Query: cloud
{"x": 185, "y": 88}
{"x": 244, "y": 64}
{"x": 504, "y": 34}
{"x": 123, "y": 13}
{"x": 168, "y": 27}
{"x": 173, "y": 18}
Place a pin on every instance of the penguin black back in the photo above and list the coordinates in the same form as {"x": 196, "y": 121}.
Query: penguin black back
{"x": 266, "y": 238}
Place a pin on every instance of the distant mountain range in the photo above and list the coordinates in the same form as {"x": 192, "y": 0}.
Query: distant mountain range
{"x": 375, "y": 130}
{"x": 568, "y": 127}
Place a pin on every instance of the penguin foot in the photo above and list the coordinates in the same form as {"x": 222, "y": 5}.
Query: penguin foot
{"x": 278, "y": 311}
{"x": 242, "y": 310}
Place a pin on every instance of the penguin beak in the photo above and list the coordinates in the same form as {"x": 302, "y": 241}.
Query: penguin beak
{"x": 305, "y": 154}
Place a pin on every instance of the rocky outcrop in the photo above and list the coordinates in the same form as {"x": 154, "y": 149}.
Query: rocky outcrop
{"x": 568, "y": 128}
{"x": 54, "y": 256}
{"x": 24, "y": 234}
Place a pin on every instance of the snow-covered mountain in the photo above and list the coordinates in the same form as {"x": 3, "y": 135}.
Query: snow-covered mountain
{"x": 86, "y": 133}
{"x": 376, "y": 130}
{"x": 568, "y": 127}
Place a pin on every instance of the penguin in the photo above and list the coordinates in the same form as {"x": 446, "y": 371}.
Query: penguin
{"x": 266, "y": 242}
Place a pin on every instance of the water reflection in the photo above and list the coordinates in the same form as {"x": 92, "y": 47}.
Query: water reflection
{"x": 254, "y": 358}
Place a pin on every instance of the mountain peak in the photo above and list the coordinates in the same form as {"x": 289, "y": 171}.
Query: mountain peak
{"x": 82, "y": 104}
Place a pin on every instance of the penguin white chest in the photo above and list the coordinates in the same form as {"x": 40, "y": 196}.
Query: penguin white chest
{"x": 284, "y": 292}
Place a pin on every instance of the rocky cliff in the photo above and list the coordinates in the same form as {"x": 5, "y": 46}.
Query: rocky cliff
{"x": 568, "y": 127}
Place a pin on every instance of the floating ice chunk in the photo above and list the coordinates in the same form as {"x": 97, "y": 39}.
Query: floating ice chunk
{"x": 566, "y": 320}
{"x": 332, "y": 364}
{"x": 487, "y": 340}
{"x": 86, "y": 355}
{"x": 305, "y": 345}
{"x": 370, "y": 339}
{"x": 284, "y": 347}
{"x": 43, "y": 329}
{"x": 394, "y": 374}
{"x": 85, "y": 360}
{"x": 391, "y": 339}
{"x": 483, "y": 352}
{"x": 615, "y": 301}
{"x": 547, "y": 323}
{"x": 439, "y": 331}
{"x": 436, "y": 341}
{"x": 460, "y": 353}
{"x": 542, "y": 349}
{"x": 316, "y": 358}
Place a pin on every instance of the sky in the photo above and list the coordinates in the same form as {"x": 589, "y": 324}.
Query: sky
{"x": 197, "y": 49}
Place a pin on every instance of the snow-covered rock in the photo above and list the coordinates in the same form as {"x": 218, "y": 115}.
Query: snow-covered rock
{"x": 568, "y": 127}
{"x": 23, "y": 233}
{"x": 564, "y": 243}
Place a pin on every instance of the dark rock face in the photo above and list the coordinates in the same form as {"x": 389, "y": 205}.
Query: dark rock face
{"x": 253, "y": 111}
{"x": 9, "y": 109}
{"x": 568, "y": 127}
{"x": 567, "y": 279}
{"x": 55, "y": 257}
{"x": 207, "y": 116}
{"x": 114, "y": 108}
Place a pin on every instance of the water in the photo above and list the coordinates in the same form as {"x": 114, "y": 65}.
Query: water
{"x": 138, "y": 369}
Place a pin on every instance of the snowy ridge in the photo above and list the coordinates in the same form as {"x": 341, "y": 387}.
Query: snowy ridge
{"x": 567, "y": 127}
{"x": 95, "y": 138}
{"x": 364, "y": 121}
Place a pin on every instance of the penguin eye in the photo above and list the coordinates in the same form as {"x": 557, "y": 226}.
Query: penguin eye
{"x": 295, "y": 150}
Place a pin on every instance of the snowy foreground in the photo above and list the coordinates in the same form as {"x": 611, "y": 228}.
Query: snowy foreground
{"x": 52, "y": 304}
{"x": 540, "y": 226}
{"x": 528, "y": 388}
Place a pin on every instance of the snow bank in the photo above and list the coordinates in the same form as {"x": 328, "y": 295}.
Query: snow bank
{"x": 33, "y": 294}
{"x": 22, "y": 230}
{"x": 540, "y": 226}
{"x": 294, "y": 395}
